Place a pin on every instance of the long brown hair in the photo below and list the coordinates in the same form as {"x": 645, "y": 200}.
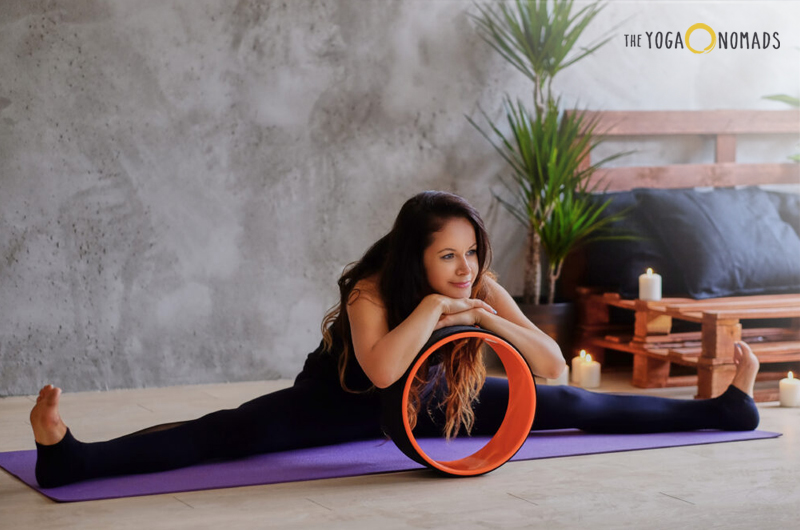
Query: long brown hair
{"x": 397, "y": 258}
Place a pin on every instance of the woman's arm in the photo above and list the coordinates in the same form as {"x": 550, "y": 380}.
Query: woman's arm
{"x": 386, "y": 355}
{"x": 540, "y": 351}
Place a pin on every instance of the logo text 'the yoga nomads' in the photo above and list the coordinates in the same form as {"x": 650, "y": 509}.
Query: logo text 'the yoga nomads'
{"x": 727, "y": 40}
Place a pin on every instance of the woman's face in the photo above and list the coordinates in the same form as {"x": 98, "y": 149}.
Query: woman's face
{"x": 451, "y": 260}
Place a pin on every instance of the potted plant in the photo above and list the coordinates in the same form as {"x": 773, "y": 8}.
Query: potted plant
{"x": 551, "y": 187}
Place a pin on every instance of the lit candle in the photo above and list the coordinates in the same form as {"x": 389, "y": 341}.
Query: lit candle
{"x": 590, "y": 373}
{"x": 650, "y": 286}
{"x": 790, "y": 391}
{"x": 562, "y": 379}
{"x": 577, "y": 361}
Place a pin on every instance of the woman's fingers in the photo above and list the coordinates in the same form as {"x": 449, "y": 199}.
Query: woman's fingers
{"x": 465, "y": 304}
{"x": 469, "y": 317}
{"x": 488, "y": 307}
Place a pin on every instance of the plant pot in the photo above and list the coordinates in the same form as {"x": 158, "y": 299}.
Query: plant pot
{"x": 557, "y": 320}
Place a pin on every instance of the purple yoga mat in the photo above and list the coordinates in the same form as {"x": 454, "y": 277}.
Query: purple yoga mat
{"x": 349, "y": 459}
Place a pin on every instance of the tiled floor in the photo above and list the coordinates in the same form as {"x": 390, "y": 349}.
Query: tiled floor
{"x": 753, "y": 484}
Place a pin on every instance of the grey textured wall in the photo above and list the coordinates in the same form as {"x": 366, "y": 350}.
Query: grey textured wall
{"x": 182, "y": 181}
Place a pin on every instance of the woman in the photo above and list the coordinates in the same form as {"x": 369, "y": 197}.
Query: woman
{"x": 428, "y": 272}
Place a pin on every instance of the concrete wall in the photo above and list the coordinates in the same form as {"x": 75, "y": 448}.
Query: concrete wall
{"x": 182, "y": 181}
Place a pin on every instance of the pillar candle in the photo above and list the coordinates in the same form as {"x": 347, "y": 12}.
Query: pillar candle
{"x": 790, "y": 391}
{"x": 577, "y": 361}
{"x": 590, "y": 373}
{"x": 650, "y": 286}
{"x": 562, "y": 379}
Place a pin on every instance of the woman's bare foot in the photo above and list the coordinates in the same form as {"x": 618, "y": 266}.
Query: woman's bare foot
{"x": 48, "y": 428}
{"x": 746, "y": 367}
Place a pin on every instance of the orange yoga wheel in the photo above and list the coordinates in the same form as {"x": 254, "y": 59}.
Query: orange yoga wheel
{"x": 511, "y": 434}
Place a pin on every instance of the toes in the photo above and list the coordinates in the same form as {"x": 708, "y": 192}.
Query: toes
{"x": 52, "y": 397}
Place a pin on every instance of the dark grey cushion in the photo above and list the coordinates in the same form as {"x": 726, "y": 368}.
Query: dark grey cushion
{"x": 788, "y": 206}
{"x": 725, "y": 242}
{"x": 617, "y": 264}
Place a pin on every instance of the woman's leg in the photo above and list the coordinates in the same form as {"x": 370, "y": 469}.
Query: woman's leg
{"x": 304, "y": 415}
{"x": 565, "y": 407}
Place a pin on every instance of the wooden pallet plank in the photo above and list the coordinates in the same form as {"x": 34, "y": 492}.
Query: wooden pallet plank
{"x": 689, "y": 316}
{"x": 694, "y": 122}
{"x": 767, "y": 334}
{"x": 737, "y": 302}
{"x": 775, "y": 347}
{"x": 757, "y": 347}
{"x": 765, "y": 312}
{"x": 630, "y": 347}
{"x": 726, "y": 174}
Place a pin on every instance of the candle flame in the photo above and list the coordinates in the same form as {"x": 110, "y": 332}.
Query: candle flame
{"x": 583, "y": 354}
{"x": 588, "y": 358}
{"x": 649, "y": 272}
{"x": 791, "y": 375}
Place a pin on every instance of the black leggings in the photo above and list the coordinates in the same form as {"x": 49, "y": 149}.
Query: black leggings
{"x": 313, "y": 414}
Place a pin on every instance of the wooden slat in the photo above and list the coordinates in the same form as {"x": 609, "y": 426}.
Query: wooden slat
{"x": 692, "y": 175}
{"x": 771, "y": 358}
{"x": 681, "y": 380}
{"x": 682, "y": 308}
{"x": 765, "y": 334}
{"x": 630, "y": 347}
{"x": 764, "y": 312}
{"x": 710, "y": 122}
{"x": 695, "y": 316}
{"x": 615, "y": 300}
{"x": 693, "y": 338}
{"x": 780, "y": 300}
{"x": 775, "y": 348}
{"x": 686, "y": 360}
{"x": 767, "y": 353}
{"x": 759, "y": 348}
{"x": 680, "y": 303}
{"x": 674, "y": 337}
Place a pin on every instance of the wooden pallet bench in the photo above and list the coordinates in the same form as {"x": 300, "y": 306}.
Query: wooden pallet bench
{"x": 710, "y": 351}
{"x": 653, "y": 344}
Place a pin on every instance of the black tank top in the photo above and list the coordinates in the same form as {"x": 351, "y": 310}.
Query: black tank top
{"x": 323, "y": 367}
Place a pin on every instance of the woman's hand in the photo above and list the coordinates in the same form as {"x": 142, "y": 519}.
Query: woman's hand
{"x": 449, "y": 305}
{"x": 470, "y": 317}
{"x": 461, "y": 311}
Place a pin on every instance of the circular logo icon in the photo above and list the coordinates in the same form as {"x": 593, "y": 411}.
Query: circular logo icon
{"x": 710, "y": 31}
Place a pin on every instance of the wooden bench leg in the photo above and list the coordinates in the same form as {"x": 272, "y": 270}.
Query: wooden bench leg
{"x": 593, "y": 321}
{"x": 649, "y": 372}
{"x": 715, "y": 367}
{"x": 713, "y": 380}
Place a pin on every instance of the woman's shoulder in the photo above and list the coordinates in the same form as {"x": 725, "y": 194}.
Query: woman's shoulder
{"x": 490, "y": 279}
{"x": 494, "y": 290}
